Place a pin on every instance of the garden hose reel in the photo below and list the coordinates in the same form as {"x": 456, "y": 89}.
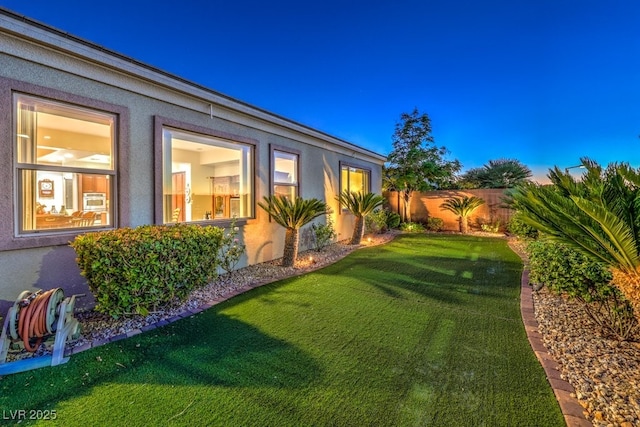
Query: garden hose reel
{"x": 38, "y": 317}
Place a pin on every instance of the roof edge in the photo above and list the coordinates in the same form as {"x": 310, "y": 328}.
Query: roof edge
{"x": 219, "y": 98}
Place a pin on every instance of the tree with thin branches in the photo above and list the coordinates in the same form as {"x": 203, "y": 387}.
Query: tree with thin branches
{"x": 416, "y": 163}
{"x": 292, "y": 215}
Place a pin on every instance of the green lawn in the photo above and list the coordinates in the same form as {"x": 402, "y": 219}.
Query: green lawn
{"x": 425, "y": 330}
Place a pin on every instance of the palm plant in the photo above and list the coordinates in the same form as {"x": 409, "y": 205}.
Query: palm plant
{"x": 292, "y": 215}
{"x": 501, "y": 173}
{"x": 463, "y": 207}
{"x": 598, "y": 215}
{"x": 360, "y": 205}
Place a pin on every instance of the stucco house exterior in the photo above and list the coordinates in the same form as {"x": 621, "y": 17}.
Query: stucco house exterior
{"x": 92, "y": 140}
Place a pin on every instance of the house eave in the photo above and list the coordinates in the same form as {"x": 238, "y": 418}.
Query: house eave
{"x": 208, "y": 101}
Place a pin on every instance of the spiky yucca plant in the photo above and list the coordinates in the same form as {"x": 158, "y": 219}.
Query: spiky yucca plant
{"x": 292, "y": 215}
{"x": 599, "y": 215}
{"x": 360, "y": 205}
{"x": 463, "y": 207}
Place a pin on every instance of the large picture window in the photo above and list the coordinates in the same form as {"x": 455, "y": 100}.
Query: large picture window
{"x": 354, "y": 179}
{"x": 205, "y": 177}
{"x": 285, "y": 174}
{"x": 65, "y": 166}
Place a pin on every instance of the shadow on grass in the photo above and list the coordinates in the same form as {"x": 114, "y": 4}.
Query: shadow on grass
{"x": 443, "y": 279}
{"x": 207, "y": 349}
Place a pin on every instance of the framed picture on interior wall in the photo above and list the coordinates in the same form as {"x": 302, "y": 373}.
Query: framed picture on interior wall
{"x": 45, "y": 188}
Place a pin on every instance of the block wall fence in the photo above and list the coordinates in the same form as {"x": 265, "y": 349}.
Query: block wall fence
{"x": 427, "y": 204}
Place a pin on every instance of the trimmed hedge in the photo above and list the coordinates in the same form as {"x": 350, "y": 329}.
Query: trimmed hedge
{"x": 565, "y": 271}
{"x": 136, "y": 270}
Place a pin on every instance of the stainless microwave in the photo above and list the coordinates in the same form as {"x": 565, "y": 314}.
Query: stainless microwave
{"x": 94, "y": 202}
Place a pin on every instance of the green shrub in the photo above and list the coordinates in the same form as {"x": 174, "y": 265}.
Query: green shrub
{"x": 566, "y": 271}
{"x": 381, "y": 221}
{"x": 136, "y": 270}
{"x": 518, "y": 228}
{"x": 376, "y": 222}
{"x": 491, "y": 227}
{"x": 435, "y": 224}
{"x": 323, "y": 234}
{"x": 393, "y": 220}
{"x": 412, "y": 227}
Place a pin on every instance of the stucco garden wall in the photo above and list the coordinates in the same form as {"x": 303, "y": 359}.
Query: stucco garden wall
{"x": 427, "y": 204}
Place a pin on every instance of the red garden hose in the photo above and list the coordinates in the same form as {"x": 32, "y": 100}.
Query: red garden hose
{"x": 32, "y": 322}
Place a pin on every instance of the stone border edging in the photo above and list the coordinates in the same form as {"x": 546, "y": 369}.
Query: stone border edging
{"x": 569, "y": 405}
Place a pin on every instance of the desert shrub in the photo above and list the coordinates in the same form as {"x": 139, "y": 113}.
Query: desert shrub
{"x": 324, "y": 234}
{"x": 491, "y": 227}
{"x": 566, "y": 271}
{"x": 137, "y": 270}
{"x": 435, "y": 224}
{"x": 231, "y": 250}
{"x": 393, "y": 220}
{"x": 376, "y": 222}
{"x": 518, "y": 228}
{"x": 412, "y": 227}
{"x": 381, "y": 221}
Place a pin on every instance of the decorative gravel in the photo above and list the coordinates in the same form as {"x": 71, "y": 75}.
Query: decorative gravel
{"x": 605, "y": 372}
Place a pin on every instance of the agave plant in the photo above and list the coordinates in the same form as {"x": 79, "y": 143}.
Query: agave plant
{"x": 292, "y": 215}
{"x": 360, "y": 205}
{"x": 599, "y": 215}
{"x": 463, "y": 207}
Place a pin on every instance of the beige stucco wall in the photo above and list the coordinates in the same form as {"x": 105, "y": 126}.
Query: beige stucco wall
{"x": 427, "y": 204}
{"x": 36, "y": 64}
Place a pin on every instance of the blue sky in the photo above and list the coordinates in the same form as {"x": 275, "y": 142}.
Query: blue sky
{"x": 544, "y": 82}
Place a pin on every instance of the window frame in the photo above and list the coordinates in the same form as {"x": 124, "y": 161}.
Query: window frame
{"x": 355, "y": 166}
{"x": 348, "y": 165}
{"x": 10, "y": 236}
{"x": 160, "y": 123}
{"x": 26, "y": 167}
{"x": 272, "y": 164}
